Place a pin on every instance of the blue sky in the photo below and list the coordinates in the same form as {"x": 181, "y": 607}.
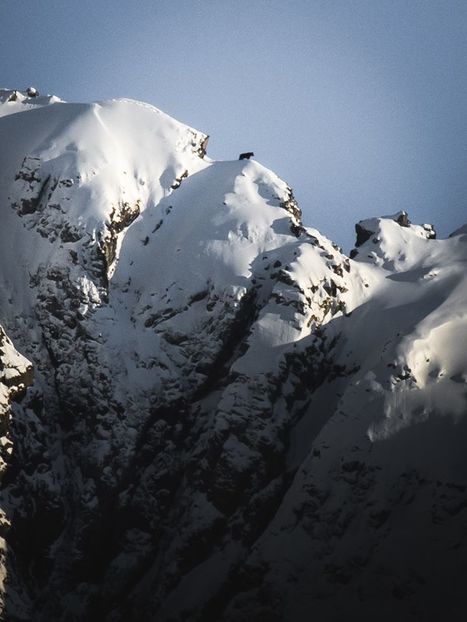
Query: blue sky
{"x": 360, "y": 105}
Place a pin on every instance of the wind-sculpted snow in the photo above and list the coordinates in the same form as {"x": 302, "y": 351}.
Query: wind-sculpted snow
{"x": 229, "y": 418}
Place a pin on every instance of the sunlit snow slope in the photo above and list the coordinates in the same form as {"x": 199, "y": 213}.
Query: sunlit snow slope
{"x": 227, "y": 418}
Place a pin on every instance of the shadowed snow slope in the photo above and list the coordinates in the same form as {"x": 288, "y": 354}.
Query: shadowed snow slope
{"x": 227, "y": 418}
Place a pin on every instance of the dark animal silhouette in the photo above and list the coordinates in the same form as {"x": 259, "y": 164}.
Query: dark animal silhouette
{"x": 246, "y": 156}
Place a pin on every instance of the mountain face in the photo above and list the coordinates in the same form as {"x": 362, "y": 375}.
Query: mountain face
{"x": 208, "y": 411}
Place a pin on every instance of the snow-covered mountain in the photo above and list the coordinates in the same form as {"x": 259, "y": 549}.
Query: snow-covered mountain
{"x": 226, "y": 418}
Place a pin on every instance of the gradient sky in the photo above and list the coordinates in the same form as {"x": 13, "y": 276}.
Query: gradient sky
{"x": 360, "y": 105}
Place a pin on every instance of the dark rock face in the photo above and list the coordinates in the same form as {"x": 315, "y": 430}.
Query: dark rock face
{"x": 362, "y": 235}
{"x": 402, "y": 219}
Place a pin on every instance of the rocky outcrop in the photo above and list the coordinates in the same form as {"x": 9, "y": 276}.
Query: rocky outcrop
{"x": 16, "y": 374}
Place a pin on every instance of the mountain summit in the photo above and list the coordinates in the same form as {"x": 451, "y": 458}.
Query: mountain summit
{"x": 208, "y": 411}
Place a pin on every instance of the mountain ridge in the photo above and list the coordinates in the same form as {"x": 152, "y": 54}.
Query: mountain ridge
{"x": 218, "y": 390}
